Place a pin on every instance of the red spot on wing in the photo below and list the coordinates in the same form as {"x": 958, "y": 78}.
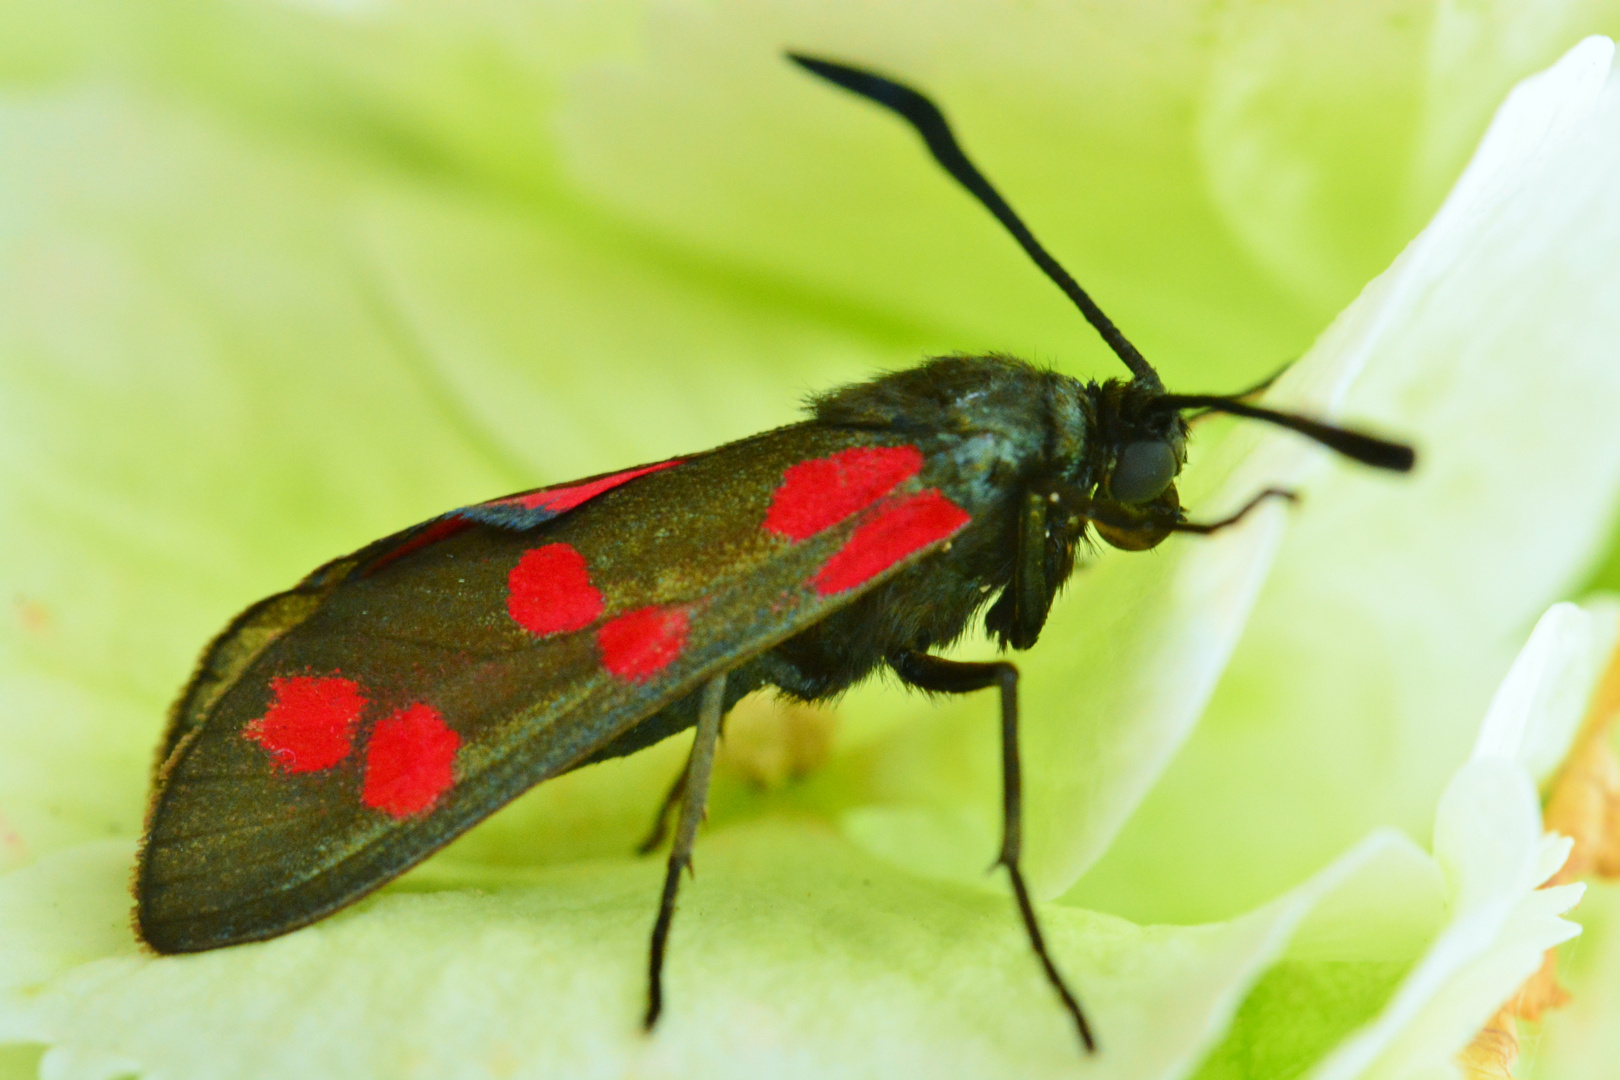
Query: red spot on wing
{"x": 820, "y": 493}
{"x": 909, "y": 525}
{"x": 560, "y": 499}
{"x": 639, "y": 644}
{"x": 310, "y": 725}
{"x": 408, "y": 762}
{"x": 549, "y": 591}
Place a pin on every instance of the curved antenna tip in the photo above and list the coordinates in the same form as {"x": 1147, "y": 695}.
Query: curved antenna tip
{"x": 924, "y": 116}
{"x": 1356, "y": 445}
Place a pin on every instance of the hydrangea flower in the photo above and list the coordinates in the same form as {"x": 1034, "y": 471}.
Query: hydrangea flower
{"x": 282, "y": 278}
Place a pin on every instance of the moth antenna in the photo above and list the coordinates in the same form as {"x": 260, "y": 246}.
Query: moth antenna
{"x": 1356, "y": 445}
{"x": 923, "y": 115}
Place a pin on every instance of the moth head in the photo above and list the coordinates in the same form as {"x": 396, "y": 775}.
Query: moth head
{"x": 1137, "y": 481}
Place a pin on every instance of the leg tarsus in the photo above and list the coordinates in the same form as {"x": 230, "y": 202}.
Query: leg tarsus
{"x": 1032, "y": 927}
{"x": 660, "y": 939}
{"x": 1242, "y": 512}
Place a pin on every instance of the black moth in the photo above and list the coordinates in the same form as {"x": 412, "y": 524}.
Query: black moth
{"x": 338, "y": 733}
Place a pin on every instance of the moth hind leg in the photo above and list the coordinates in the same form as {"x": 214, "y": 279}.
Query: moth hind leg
{"x": 958, "y": 677}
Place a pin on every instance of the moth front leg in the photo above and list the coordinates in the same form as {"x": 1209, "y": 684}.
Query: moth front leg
{"x": 958, "y": 677}
{"x": 1020, "y": 611}
{"x": 1139, "y": 528}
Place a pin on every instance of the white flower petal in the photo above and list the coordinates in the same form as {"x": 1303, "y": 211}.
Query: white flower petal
{"x": 1395, "y": 605}
{"x": 1281, "y": 126}
{"x": 1538, "y": 708}
{"x": 1581, "y": 1041}
{"x": 1488, "y": 839}
{"x": 1081, "y": 116}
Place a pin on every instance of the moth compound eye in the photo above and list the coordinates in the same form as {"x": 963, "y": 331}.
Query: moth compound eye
{"x": 1143, "y": 471}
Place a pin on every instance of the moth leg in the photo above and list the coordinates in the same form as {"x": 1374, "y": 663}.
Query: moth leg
{"x": 1242, "y": 512}
{"x": 666, "y": 809}
{"x": 1140, "y": 528}
{"x": 957, "y": 677}
{"x": 1020, "y": 611}
{"x": 696, "y": 789}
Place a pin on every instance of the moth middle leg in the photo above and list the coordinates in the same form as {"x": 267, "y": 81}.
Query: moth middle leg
{"x": 695, "y": 788}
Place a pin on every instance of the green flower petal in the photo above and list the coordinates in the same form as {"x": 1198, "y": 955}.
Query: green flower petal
{"x": 173, "y": 442}
{"x": 1325, "y": 167}
{"x": 238, "y": 362}
{"x": 523, "y": 323}
{"x": 795, "y": 955}
{"x": 462, "y": 93}
{"x": 1223, "y": 177}
{"x": 222, "y": 257}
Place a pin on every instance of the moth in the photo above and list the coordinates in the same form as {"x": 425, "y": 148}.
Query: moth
{"x": 338, "y": 733}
